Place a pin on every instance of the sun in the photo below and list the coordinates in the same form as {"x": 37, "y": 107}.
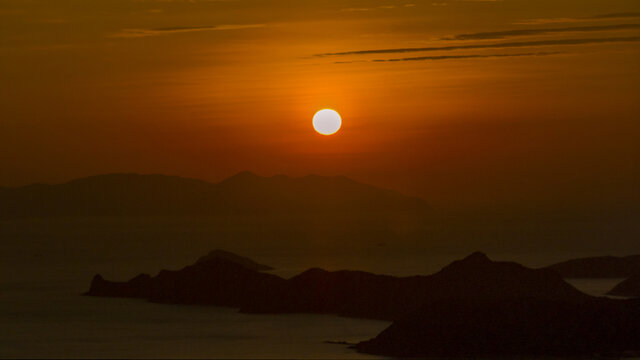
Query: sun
{"x": 327, "y": 121}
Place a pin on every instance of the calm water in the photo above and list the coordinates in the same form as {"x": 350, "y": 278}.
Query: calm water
{"x": 50, "y": 320}
{"x": 45, "y": 266}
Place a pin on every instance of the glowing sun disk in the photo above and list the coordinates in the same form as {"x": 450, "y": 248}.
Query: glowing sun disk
{"x": 327, "y": 121}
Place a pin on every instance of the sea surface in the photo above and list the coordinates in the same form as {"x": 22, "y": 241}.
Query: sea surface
{"x": 46, "y": 265}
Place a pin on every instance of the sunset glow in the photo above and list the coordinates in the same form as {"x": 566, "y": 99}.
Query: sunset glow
{"x": 441, "y": 98}
{"x": 480, "y": 199}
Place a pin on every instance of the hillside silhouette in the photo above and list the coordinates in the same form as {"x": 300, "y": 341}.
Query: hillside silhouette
{"x": 472, "y": 307}
{"x": 362, "y": 294}
{"x": 513, "y": 326}
{"x": 487, "y": 309}
{"x": 244, "y": 193}
{"x": 346, "y": 292}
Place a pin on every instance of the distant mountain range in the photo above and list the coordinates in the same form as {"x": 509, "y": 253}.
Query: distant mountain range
{"x": 473, "y": 307}
{"x": 243, "y": 193}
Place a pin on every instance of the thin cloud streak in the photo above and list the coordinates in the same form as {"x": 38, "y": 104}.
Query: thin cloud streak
{"x": 453, "y": 57}
{"x": 602, "y": 17}
{"x": 138, "y": 33}
{"x": 530, "y": 32}
{"x": 449, "y": 57}
{"x": 617, "y": 15}
{"x": 488, "y": 46}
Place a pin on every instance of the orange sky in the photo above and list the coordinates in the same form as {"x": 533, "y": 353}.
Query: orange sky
{"x": 491, "y": 103}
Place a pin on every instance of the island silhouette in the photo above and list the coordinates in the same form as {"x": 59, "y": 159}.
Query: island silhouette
{"x": 472, "y": 307}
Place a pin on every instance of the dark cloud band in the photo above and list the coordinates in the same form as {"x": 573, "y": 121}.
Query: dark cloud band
{"x": 489, "y": 46}
{"x": 449, "y": 57}
{"x": 530, "y": 32}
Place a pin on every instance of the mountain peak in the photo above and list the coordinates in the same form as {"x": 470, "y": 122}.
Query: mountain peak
{"x": 477, "y": 257}
{"x": 313, "y": 274}
{"x": 219, "y": 254}
{"x": 474, "y": 262}
{"x": 243, "y": 176}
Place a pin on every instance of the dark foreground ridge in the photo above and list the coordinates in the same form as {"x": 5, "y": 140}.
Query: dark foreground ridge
{"x": 629, "y": 287}
{"x": 472, "y": 307}
{"x": 599, "y": 267}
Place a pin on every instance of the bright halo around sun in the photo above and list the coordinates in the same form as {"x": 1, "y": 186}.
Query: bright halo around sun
{"x": 327, "y": 121}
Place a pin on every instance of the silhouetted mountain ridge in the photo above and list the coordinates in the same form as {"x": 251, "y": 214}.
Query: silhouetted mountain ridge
{"x": 509, "y": 326}
{"x": 243, "y": 193}
{"x": 472, "y": 307}
{"x": 480, "y": 308}
{"x": 367, "y": 295}
{"x": 240, "y": 260}
{"x": 483, "y": 278}
{"x": 219, "y": 281}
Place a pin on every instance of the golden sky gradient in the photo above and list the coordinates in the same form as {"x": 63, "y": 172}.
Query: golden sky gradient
{"x": 467, "y": 103}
